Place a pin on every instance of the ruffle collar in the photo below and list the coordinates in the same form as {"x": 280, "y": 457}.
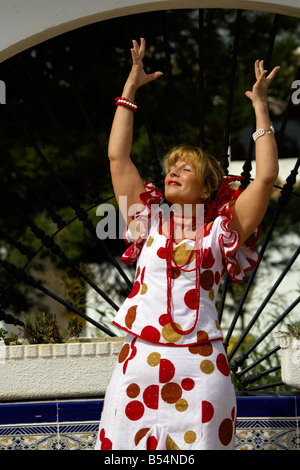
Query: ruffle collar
{"x": 153, "y": 196}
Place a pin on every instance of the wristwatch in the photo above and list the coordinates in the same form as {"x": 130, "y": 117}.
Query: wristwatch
{"x": 261, "y": 132}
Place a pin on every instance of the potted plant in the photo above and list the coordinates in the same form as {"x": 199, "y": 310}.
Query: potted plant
{"x": 49, "y": 363}
{"x": 289, "y": 342}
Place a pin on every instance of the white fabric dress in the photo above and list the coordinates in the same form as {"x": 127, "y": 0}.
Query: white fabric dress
{"x": 171, "y": 390}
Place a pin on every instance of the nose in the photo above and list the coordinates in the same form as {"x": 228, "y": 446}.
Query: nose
{"x": 174, "y": 171}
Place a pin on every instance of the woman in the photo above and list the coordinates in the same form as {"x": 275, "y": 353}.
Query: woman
{"x": 171, "y": 388}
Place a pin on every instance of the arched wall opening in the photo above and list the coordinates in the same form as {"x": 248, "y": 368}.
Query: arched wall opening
{"x": 25, "y": 24}
{"x": 54, "y": 87}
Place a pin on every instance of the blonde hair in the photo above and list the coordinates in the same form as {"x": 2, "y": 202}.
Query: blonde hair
{"x": 207, "y": 168}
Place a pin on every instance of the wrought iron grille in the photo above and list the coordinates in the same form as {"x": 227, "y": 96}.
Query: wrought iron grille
{"x": 52, "y": 86}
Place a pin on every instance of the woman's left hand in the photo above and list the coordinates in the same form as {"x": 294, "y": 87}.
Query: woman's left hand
{"x": 250, "y": 207}
{"x": 259, "y": 92}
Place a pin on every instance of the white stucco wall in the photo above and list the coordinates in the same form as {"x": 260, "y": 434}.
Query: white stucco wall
{"x": 48, "y": 371}
{"x": 26, "y": 23}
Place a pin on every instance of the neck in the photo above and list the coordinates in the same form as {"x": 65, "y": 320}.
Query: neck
{"x": 186, "y": 211}
{"x": 182, "y": 227}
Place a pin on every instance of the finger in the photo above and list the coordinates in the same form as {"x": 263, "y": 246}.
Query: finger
{"x": 134, "y": 57}
{"x": 135, "y": 46}
{"x": 260, "y": 78}
{"x": 142, "y": 48}
{"x": 273, "y": 73}
{"x": 154, "y": 76}
{"x": 257, "y": 69}
{"x": 261, "y": 66}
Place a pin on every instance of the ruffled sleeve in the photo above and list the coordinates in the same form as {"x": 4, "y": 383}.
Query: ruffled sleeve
{"x": 238, "y": 259}
{"x": 151, "y": 199}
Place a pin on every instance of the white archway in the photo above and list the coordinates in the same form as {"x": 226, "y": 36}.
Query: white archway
{"x": 30, "y": 22}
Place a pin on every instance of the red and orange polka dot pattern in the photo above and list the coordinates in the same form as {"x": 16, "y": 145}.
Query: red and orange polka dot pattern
{"x": 161, "y": 393}
{"x": 172, "y": 388}
{"x": 144, "y": 312}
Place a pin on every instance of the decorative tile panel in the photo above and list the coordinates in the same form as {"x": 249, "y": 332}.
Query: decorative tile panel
{"x": 263, "y": 423}
{"x": 267, "y": 434}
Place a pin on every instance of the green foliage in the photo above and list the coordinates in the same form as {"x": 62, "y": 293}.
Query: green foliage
{"x": 293, "y": 330}
{"x": 11, "y": 339}
{"x": 44, "y": 328}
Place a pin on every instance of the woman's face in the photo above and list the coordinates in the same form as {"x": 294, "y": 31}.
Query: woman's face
{"x": 182, "y": 185}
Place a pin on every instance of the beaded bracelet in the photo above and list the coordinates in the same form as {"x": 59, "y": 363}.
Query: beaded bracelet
{"x": 121, "y": 101}
{"x": 261, "y": 132}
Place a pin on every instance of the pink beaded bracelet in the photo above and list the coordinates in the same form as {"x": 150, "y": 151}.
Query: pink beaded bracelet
{"x": 121, "y": 101}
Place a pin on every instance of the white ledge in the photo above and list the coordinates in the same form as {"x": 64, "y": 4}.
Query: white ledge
{"x": 47, "y": 371}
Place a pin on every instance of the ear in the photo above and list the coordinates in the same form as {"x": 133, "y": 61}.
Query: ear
{"x": 205, "y": 196}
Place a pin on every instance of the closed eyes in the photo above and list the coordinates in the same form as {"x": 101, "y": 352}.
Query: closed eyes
{"x": 183, "y": 168}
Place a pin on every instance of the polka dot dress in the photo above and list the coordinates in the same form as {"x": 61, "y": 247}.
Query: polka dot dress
{"x": 172, "y": 390}
{"x": 166, "y": 398}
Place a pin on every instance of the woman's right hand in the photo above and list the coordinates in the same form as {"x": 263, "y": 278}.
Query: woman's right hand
{"x": 138, "y": 77}
{"x": 125, "y": 176}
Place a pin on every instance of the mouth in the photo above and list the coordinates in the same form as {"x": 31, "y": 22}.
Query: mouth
{"x": 173, "y": 183}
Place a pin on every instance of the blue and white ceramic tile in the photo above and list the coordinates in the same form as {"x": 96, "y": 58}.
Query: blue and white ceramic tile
{"x": 263, "y": 423}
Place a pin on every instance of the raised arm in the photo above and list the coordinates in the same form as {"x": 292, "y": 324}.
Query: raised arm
{"x": 125, "y": 176}
{"x": 250, "y": 207}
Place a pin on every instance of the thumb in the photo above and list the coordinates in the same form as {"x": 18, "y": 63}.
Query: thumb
{"x": 154, "y": 76}
{"x": 249, "y": 94}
